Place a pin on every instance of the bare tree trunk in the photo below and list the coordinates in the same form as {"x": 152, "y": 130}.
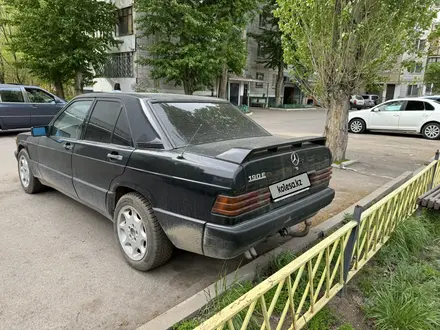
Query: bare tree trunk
{"x": 59, "y": 88}
{"x": 79, "y": 83}
{"x": 279, "y": 84}
{"x": 2, "y": 71}
{"x": 336, "y": 126}
{"x": 187, "y": 87}
{"x": 223, "y": 85}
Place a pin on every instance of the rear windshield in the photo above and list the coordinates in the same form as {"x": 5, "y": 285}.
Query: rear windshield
{"x": 219, "y": 122}
{"x": 358, "y": 97}
{"x": 366, "y": 97}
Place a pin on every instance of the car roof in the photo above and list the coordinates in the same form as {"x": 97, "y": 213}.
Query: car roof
{"x": 407, "y": 99}
{"x": 16, "y": 85}
{"x": 155, "y": 97}
{"x": 431, "y": 97}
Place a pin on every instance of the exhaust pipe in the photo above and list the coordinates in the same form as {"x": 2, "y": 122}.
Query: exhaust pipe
{"x": 290, "y": 232}
{"x": 251, "y": 254}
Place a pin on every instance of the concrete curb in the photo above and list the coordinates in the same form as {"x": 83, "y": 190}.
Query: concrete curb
{"x": 295, "y": 109}
{"x": 191, "y": 305}
{"x": 345, "y": 164}
{"x": 249, "y": 113}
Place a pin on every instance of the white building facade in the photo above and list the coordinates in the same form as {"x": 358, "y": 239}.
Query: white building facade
{"x": 406, "y": 81}
{"x": 256, "y": 86}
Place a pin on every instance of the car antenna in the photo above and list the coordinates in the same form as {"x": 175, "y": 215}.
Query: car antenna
{"x": 189, "y": 143}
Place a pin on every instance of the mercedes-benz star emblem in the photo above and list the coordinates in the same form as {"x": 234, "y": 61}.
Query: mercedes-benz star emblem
{"x": 295, "y": 159}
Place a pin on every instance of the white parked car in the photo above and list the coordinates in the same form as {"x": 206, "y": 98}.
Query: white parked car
{"x": 357, "y": 101}
{"x": 405, "y": 115}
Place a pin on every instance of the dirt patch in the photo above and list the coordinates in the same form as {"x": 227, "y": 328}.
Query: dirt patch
{"x": 348, "y": 309}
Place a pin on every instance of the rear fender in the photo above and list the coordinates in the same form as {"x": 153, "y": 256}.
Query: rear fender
{"x": 111, "y": 195}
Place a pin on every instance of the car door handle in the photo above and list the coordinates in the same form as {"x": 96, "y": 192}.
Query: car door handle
{"x": 68, "y": 146}
{"x": 396, "y": 115}
{"x": 114, "y": 156}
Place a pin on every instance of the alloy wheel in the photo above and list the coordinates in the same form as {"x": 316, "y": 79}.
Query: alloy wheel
{"x": 356, "y": 126}
{"x": 24, "y": 171}
{"x": 432, "y": 131}
{"x": 131, "y": 233}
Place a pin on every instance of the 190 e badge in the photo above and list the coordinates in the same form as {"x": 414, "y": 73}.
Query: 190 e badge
{"x": 256, "y": 177}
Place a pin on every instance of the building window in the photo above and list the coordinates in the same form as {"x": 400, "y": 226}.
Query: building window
{"x": 413, "y": 90}
{"x": 262, "y": 21}
{"x": 119, "y": 65}
{"x": 420, "y": 45}
{"x": 428, "y": 90}
{"x": 125, "y": 21}
{"x": 260, "y": 76}
{"x": 259, "y": 54}
{"x": 433, "y": 60}
{"x": 416, "y": 68}
{"x": 274, "y": 80}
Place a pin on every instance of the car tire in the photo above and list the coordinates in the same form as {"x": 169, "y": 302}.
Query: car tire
{"x": 357, "y": 126}
{"x": 431, "y": 131}
{"x": 30, "y": 184}
{"x": 140, "y": 237}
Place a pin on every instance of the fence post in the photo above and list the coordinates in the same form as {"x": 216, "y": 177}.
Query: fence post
{"x": 436, "y": 157}
{"x": 349, "y": 249}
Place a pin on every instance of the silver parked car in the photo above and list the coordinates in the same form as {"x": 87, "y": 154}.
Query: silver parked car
{"x": 22, "y": 107}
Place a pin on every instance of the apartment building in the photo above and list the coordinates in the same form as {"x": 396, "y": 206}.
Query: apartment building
{"x": 255, "y": 86}
{"x": 408, "y": 81}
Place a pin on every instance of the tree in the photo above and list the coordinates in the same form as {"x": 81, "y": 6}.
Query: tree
{"x": 11, "y": 69}
{"x": 63, "y": 40}
{"x": 432, "y": 76}
{"x": 341, "y": 43}
{"x": 271, "y": 48}
{"x": 191, "y": 43}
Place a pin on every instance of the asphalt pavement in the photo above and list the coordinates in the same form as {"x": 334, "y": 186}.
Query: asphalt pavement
{"x": 60, "y": 267}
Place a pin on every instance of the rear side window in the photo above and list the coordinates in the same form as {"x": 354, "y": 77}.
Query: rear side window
{"x": 375, "y": 97}
{"x": 429, "y": 106}
{"x": 14, "y": 95}
{"x": 121, "y": 134}
{"x": 365, "y": 97}
{"x": 415, "y": 106}
{"x": 102, "y": 121}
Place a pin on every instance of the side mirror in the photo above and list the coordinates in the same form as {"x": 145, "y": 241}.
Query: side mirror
{"x": 40, "y": 131}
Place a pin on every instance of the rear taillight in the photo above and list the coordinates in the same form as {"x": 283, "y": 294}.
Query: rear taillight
{"x": 233, "y": 206}
{"x": 355, "y": 102}
{"x": 321, "y": 176}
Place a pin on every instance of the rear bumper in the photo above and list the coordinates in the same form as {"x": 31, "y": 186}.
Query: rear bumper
{"x": 226, "y": 242}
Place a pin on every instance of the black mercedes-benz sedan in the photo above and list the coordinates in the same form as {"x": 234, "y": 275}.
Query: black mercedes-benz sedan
{"x": 176, "y": 171}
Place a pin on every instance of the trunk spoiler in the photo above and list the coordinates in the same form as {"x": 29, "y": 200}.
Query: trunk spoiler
{"x": 239, "y": 155}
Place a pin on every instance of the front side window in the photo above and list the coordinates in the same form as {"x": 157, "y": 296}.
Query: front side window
{"x": 391, "y": 106}
{"x": 125, "y": 21}
{"x": 102, "y": 121}
{"x": 14, "y": 95}
{"x": 214, "y": 121}
{"x": 415, "y": 106}
{"x": 70, "y": 122}
{"x": 38, "y": 96}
